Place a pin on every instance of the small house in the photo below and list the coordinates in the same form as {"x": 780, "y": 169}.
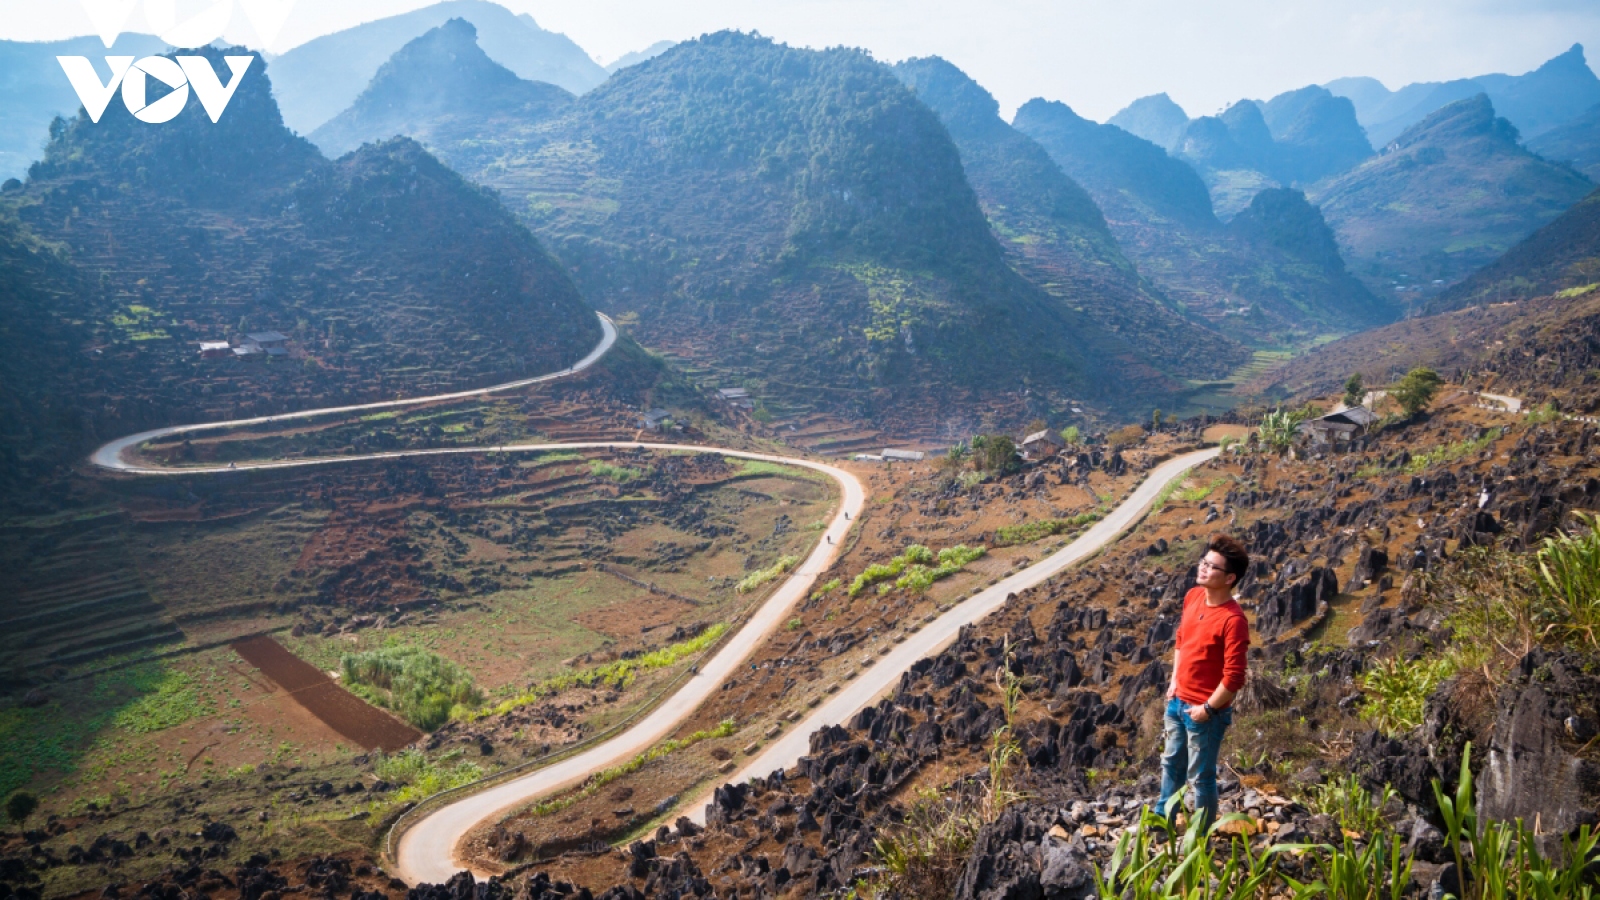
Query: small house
{"x": 1042, "y": 444}
{"x": 736, "y": 397}
{"x": 653, "y": 419}
{"x": 890, "y": 454}
{"x": 215, "y": 349}
{"x": 1339, "y": 427}
{"x": 268, "y": 342}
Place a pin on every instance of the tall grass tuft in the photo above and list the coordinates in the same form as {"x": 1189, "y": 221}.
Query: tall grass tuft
{"x": 1569, "y": 573}
{"x": 421, "y": 686}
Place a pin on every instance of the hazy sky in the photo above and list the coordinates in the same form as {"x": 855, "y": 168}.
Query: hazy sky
{"x": 1096, "y": 55}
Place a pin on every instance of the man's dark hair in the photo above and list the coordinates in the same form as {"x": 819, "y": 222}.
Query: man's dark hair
{"x": 1232, "y": 550}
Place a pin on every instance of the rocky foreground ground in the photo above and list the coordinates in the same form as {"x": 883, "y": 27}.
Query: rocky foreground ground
{"x": 1011, "y": 764}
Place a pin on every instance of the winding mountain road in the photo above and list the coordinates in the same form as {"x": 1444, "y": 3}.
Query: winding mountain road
{"x": 427, "y": 851}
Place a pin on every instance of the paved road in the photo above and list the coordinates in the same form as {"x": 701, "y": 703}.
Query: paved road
{"x": 427, "y": 850}
{"x": 110, "y": 456}
{"x": 882, "y": 677}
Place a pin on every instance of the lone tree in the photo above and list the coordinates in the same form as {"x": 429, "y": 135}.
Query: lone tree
{"x": 20, "y": 806}
{"x": 1415, "y": 391}
{"x": 1354, "y": 390}
{"x": 1072, "y": 435}
{"x": 995, "y": 453}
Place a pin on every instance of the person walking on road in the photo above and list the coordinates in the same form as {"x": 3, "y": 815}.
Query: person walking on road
{"x": 1208, "y": 671}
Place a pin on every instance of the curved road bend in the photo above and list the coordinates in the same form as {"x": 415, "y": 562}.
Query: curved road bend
{"x": 427, "y": 851}
{"x": 884, "y": 674}
{"x": 110, "y": 455}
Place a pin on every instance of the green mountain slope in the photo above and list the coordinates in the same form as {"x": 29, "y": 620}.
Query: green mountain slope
{"x": 321, "y": 77}
{"x": 1451, "y": 194}
{"x": 1562, "y": 255}
{"x": 387, "y": 272}
{"x": 1055, "y": 235}
{"x": 460, "y": 89}
{"x": 1160, "y": 212}
{"x": 795, "y": 221}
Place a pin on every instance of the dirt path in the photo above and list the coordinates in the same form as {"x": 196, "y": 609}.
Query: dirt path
{"x": 353, "y": 718}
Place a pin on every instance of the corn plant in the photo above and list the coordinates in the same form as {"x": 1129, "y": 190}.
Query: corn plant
{"x": 1569, "y": 572}
{"x": 1501, "y": 860}
{"x": 1142, "y": 868}
{"x": 1351, "y": 804}
{"x": 1351, "y": 873}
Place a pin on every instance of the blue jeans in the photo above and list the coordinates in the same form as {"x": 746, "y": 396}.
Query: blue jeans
{"x": 1191, "y": 757}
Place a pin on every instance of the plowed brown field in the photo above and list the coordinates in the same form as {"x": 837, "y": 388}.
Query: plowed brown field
{"x": 344, "y": 712}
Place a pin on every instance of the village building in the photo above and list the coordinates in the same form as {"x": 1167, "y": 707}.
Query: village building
{"x": 652, "y": 419}
{"x": 892, "y": 455}
{"x": 268, "y": 342}
{"x": 215, "y": 349}
{"x": 1042, "y": 445}
{"x": 1339, "y": 427}
{"x": 738, "y": 398}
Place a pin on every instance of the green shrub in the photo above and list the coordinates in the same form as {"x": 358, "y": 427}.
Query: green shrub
{"x": 619, "y": 474}
{"x": 1569, "y": 575}
{"x": 916, "y": 569}
{"x": 1416, "y": 390}
{"x": 1279, "y": 428}
{"x": 830, "y": 587}
{"x": 1451, "y": 452}
{"x": 1350, "y": 804}
{"x": 618, "y": 675}
{"x": 1028, "y": 532}
{"x": 768, "y": 575}
{"x": 1397, "y": 690}
{"x": 419, "y": 777}
{"x": 421, "y": 686}
{"x": 20, "y": 806}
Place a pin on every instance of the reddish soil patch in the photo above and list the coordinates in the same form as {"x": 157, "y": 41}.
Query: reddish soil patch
{"x": 344, "y": 712}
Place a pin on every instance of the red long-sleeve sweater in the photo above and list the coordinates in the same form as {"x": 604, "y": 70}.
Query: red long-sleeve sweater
{"x": 1213, "y": 643}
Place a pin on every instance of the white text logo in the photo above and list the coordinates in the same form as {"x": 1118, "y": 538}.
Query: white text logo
{"x": 179, "y": 74}
{"x": 181, "y": 23}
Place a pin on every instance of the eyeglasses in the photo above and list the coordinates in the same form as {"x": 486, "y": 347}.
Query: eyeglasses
{"x": 1208, "y": 564}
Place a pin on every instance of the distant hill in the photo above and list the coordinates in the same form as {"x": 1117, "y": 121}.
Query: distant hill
{"x": 1296, "y": 138}
{"x": 1452, "y": 194}
{"x": 34, "y": 90}
{"x": 435, "y": 87}
{"x": 320, "y": 78}
{"x": 1576, "y": 143}
{"x": 1129, "y": 176}
{"x": 1156, "y": 118}
{"x": 1562, "y": 255}
{"x": 797, "y": 222}
{"x": 1160, "y": 212}
{"x": 1317, "y": 133}
{"x": 1056, "y": 236}
{"x": 639, "y": 56}
{"x": 387, "y": 273}
{"x": 1535, "y": 102}
{"x": 1538, "y": 349}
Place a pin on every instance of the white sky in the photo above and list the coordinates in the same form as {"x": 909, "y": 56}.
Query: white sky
{"x": 1095, "y": 55}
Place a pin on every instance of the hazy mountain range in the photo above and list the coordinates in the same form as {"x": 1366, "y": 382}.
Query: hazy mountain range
{"x": 1451, "y": 194}
{"x": 1534, "y": 102}
{"x": 319, "y": 78}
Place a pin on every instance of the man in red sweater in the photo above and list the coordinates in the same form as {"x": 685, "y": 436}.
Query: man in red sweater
{"x": 1208, "y": 671}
